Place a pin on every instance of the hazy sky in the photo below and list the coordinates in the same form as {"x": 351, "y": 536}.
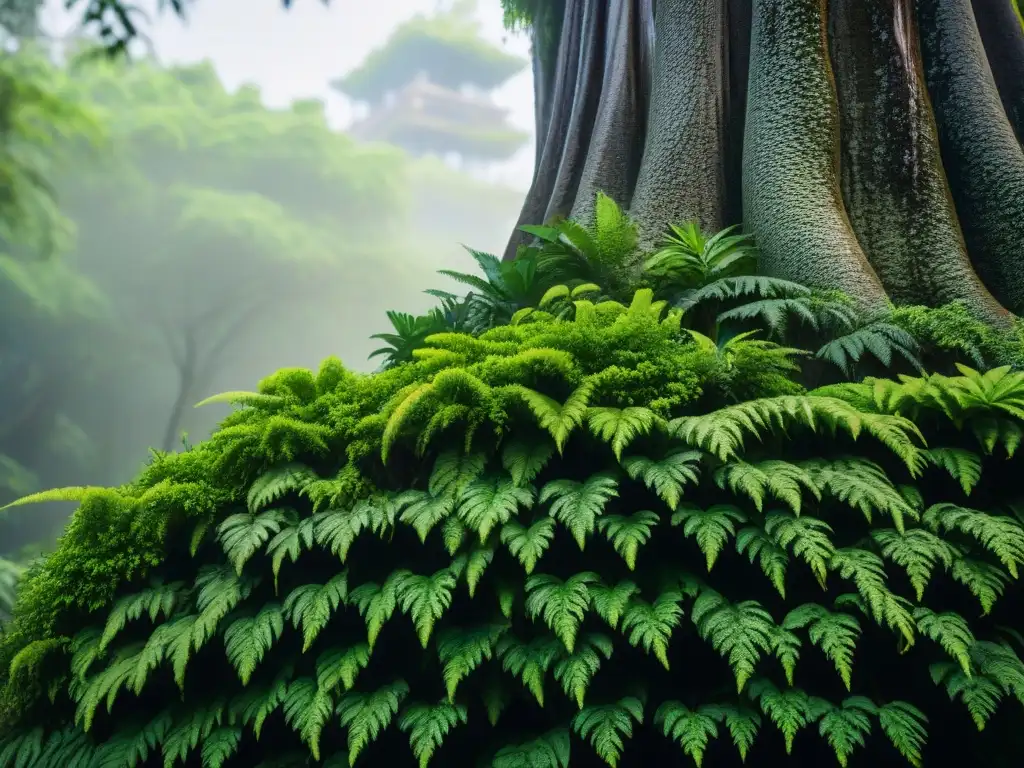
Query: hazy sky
{"x": 293, "y": 54}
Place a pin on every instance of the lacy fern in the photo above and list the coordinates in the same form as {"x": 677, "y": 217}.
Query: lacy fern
{"x": 563, "y": 541}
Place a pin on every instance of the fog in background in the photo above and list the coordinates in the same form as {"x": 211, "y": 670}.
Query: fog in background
{"x": 225, "y": 228}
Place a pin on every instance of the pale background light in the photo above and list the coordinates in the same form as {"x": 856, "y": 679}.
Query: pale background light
{"x": 293, "y": 54}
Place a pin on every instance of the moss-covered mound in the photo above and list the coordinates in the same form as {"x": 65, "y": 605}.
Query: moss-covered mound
{"x": 553, "y": 543}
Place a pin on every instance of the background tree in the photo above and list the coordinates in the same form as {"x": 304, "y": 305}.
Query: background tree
{"x": 212, "y": 238}
{"x": 864, "y": 144}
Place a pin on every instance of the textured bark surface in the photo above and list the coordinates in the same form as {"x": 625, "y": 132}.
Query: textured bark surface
{"x": 870, "y": 146}
{"x": 682, "y": 174}
{"x": 1003, "y": 37}
{"x": 894, "y": 186}
{"x": 983, "y": 158}
{"x": 791, "y": 197}
{"x": 613, "y": 156}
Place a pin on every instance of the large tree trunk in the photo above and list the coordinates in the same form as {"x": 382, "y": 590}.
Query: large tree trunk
{"x": 871, "y": 146}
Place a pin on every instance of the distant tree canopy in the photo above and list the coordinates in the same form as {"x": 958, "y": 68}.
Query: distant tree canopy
{"x": 447, "y": 47}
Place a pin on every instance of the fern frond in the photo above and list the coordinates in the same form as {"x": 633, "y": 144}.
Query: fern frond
{"x": 665, "y": 476}
{"x": 463, "y": 650}
{"x": 578, "y": 505}
{"x": 711, "y": 527}
{"x": 427, "y": 725}
{"x": 562, "y": 604}
{"x": 650, "y": 625}
{"x": 741, "y": 633}
{"x": 311, "y": 606}
{"x": 366, "y": 715}
{"x": 608, "y": 725}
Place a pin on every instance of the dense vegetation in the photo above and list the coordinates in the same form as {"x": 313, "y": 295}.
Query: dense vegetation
{"x": 586, "y": 509}
{"x": 251, "y": 242}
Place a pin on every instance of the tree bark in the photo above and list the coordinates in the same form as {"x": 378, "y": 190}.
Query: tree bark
{"x": 791, "y": 195}
{"x": 556, "y": 135}
{"x": 870, "y": 146}
{"x": 983, "y": 158}
{"x": 682, "y": 174}
{"x": 894, "y": 187}
{"x": 613, "y": 156}
{"x": 1003, "y": 37}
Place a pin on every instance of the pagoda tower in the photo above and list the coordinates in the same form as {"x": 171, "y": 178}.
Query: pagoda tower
{"x": 428, "y": 90}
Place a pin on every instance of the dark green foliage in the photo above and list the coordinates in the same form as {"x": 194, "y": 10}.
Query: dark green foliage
{"x": 591, "y": 531}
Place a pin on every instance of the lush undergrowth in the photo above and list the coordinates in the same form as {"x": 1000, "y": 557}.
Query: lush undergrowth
{"x": 564, "y": 522}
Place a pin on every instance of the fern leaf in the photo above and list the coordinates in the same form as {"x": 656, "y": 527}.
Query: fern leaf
{"x": 790, "y": 710}
{"x": 1001, "y": 535}
{"x": 610, "y": 603}
{"x": 275, "y": 483}
{"x": 607, "y": 726}
{"x": 492, "y": 501}
{"x": 558, "y": 419}
{"x": 156, "y": 600}
{"x": 248, "y": 639}
{"x": 650, "y": 625}
{"x": 770, "y": 557}
{"x": 985, "y": 581}
{"x": 427, "y": 725}
{"x": 693, "y": 729}
{"x": 311, "y": 606}
{"x": 473, "y": 564}
{"x": 620, "y": 426}
{"x": 868, "y": 575}
{"x": 341, "y": 666}
{"x": 628, "y": 534}
{"x": 376, "y": 604}
{"x": 666, "y": 476}
{"x": 423, "y": 510}
{"x": 549, "y": 751}
{"x": 220, "y": 746}
{"x": 780, "y": 479}
{"x": 424, "y": 599}
{"x": 453, "y": 471}
{"x": 524, "y": 459}
{"x": 904, "y": 725}
{"x": 578, "y": 505}
{"x": 741, "y": 633}
{"x": 807, "y": 537}
{"x": 244, "y": 534}
{"x": 962, "y": 465}
{"x": 845, "y": 727}
{"x": 949, "y": 630}
{"x": 918, "y": 551}
{"x": 576, "y": 670}
{"x": 711, "y": 527}
{"x": 461, "y": 651}
{"x": 528, "y": 545}
{"x": 835, "y": 634}
{"x": 529, "y": 662}
{"x": 562, "y": 604}
{"x": 366, "y": 715}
